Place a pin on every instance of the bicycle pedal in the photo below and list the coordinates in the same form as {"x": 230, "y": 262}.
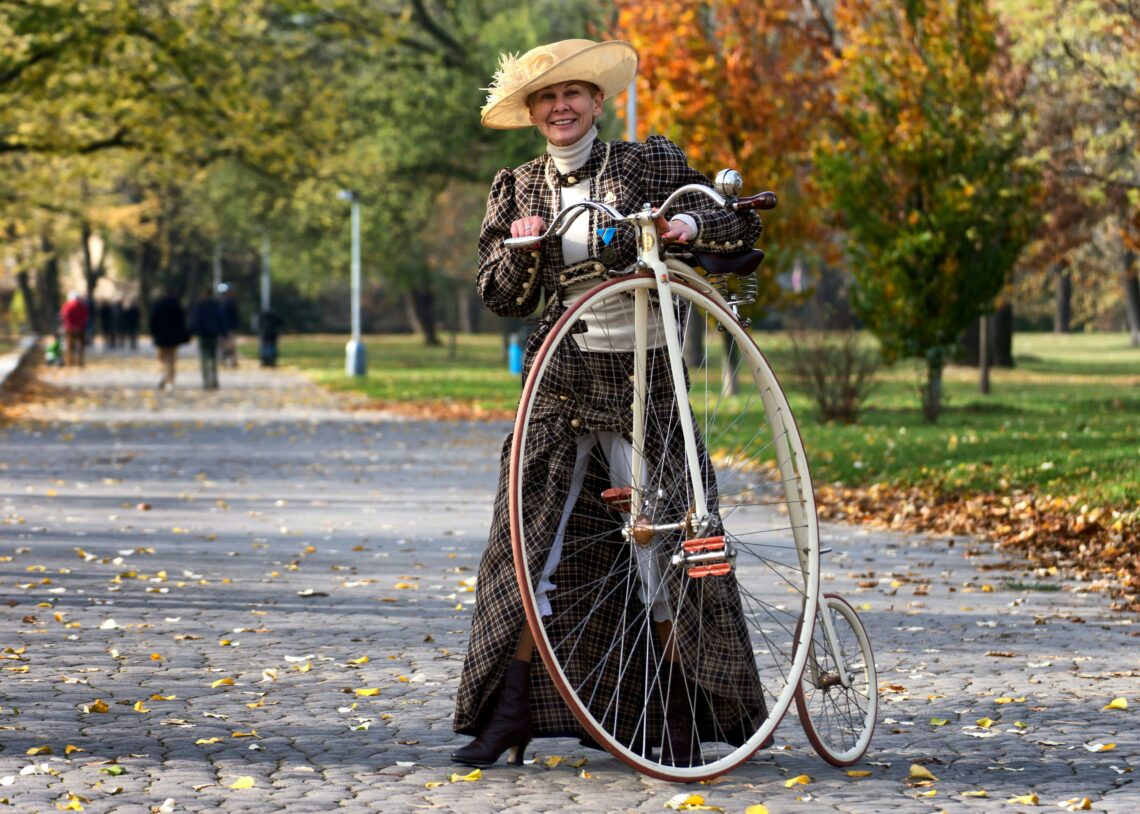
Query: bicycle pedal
{"x": 618, "y": 497}
{"x": 704, "y": 544}
{"x": 715, "y": 570}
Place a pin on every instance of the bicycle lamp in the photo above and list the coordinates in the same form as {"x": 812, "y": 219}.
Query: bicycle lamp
{"x": 729, "y": 183}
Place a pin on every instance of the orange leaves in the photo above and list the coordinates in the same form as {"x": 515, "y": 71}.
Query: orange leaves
{"x": 1044, "y": 527}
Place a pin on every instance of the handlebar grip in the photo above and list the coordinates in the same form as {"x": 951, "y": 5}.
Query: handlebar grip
{"x": 763, "y": 200}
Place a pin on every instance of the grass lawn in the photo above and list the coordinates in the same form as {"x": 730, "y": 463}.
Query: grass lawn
{"x": 1065, "y": 421}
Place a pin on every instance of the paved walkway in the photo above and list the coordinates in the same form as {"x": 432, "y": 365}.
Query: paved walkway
{"x": 255, "y": 587}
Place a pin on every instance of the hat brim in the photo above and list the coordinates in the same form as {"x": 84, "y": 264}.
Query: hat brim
{"x": 610, "y": 65}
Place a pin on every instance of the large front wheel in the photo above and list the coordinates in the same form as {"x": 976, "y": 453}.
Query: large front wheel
{"x": 676, "y": 639}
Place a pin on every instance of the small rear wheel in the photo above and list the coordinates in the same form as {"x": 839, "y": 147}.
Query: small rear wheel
{"x": 838, "y": 717}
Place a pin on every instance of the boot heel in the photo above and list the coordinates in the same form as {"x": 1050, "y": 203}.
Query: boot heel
{"x": 517, "y": 753}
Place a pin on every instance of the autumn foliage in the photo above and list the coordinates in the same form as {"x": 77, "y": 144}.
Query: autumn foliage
{"x": 739, "y": 84}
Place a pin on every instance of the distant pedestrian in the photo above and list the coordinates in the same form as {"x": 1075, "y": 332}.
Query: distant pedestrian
{"x": 107, "y": 323}
{"x": 131, "y": 323}
{"x": 267, "y": 329}
{"x": 73, "y": 317}
{"x": 233, "y": 322}
{"x": 208, "y": 324}
{"x": 117, "y": 335}
{"x": 168, "y": 328}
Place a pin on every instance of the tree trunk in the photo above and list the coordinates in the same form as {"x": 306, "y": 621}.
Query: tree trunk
{"x": 423, "y": 303}
{"x": 1001, "y": 336}
{"x": 932, "y": 389}
{"x": 47, "y": 281}
{"x": 1132, "y": 297}
{"x": 36, "y": 319}
{"x": 984, "y": 354}
{"x": 92, "y": 272}
{"x": 1063, "y": 299}
{"x": 728, "y": 384}
{"x": 969, "y": 343}
{"x": 694, "y": 339}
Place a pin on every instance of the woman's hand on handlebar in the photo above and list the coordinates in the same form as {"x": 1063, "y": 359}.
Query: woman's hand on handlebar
{"x": 531, "y": 226}
{"x": 675, "y": 230}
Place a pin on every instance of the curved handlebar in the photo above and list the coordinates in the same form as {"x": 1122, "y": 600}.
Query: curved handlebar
{"x": 564, "y": 219}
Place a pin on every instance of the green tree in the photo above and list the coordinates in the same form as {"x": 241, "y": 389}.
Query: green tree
{"x": 924, "y": 168}
{"x": 1084, "y": 58}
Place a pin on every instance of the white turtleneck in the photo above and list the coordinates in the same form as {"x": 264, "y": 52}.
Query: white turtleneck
{"x": 576, "y": 242}
{"x": 574, "y": 155}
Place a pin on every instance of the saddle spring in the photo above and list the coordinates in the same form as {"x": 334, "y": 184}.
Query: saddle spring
{"x": 737, "y": 290}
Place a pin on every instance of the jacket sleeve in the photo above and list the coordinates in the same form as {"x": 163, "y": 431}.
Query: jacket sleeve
{"x": 666, "y": 169}
{"x": 507, "y": 280}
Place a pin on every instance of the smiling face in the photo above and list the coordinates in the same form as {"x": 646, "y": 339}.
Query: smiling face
{"x": 565, "y": 112}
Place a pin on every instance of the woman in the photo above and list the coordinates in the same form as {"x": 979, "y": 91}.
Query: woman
{"x": 560, "y": 89}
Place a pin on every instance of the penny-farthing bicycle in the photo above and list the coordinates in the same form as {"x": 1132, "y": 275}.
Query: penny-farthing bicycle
{"x": 712, "y": 528}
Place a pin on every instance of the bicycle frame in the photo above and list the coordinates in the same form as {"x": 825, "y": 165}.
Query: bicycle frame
{"x": 649, "y": 259}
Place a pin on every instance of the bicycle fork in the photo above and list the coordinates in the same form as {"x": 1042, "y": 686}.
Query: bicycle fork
{"x": 650, "y": 260}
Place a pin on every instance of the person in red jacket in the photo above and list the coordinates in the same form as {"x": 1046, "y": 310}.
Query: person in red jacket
{"x": 73, "y": 316}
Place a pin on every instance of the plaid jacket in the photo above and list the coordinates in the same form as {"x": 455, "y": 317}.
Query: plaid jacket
{"x": 584, "y": 391}
{"x": 626, "y": 175}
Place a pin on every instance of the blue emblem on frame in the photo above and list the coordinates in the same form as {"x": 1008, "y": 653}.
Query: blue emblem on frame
{"x": 607, "y": 234}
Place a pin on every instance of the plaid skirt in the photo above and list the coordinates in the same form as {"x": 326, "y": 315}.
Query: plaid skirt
{"x": 586, "y": 386}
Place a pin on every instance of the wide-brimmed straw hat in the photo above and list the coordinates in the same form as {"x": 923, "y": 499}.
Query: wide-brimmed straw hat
{"x": 610, "y": 65}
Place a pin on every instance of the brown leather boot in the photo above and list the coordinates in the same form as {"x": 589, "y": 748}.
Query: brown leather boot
{"x": 509, "y": 724}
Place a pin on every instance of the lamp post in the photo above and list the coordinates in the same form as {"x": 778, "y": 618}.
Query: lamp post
{"x": 354, "y": 356}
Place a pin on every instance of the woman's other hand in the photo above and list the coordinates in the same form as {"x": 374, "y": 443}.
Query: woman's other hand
{"x": 532, "y": 226}
{"x": 675, "y": 230}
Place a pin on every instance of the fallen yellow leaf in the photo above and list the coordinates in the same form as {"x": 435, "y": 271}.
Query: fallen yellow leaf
{"x": 978, "y": 793}
{"x": 245, "y": 782}
{"x": 69, "y": 749}
{"x": 208, "y": 741}
{"x": 798, "y": 780}
{"x": 552, "y": 761}
{"x": 98, "y": 705}
{"x": 1025, "y": 799}
{"x": 1100, "y": 747}
{"x": 759, "y": 808}
{"x": 858, "y": 773}
{"x": 918, "y": 772}
{"x": 986, "y": 723}
{"x": 40, "y": 750}
{"x": 431, "y": 784}
{"x": 939, "y": 721}
{"x": 250, "y": 734}
{"x": 361, "y": 660}
{"x": 928, "y": 793}
{"x": 140, "y": 707}
{"x": 1077, "y": 804}
{"x": 367, "y": 692}
{"x": 223, "y": 682}
{"x": 470, "y": 777}
{"x": 1116, "y": 703}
